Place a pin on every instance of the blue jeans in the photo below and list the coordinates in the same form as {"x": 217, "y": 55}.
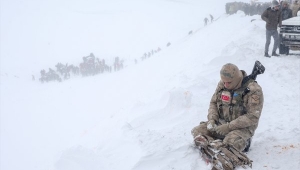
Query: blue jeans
{"x": 274, "y": 34}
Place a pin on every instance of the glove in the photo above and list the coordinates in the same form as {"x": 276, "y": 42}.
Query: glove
{"x": 211, "y": 125}
{"x": 223, "y": 129}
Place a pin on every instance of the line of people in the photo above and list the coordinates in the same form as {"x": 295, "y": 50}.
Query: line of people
{"x": 151, "y": 53}
{"x": 88, "y": 67}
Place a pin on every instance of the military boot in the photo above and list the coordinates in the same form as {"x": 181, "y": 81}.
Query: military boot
{"x": 274, "y": 54}
{"x": 267, "y": 55}
{"x": 248, "y": 144}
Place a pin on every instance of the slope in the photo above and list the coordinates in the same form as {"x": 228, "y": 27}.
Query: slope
{"x": 141, "y": 118}
{"x": 152, "y": 131}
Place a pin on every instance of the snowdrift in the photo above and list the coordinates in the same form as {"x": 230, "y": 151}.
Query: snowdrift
{"x": 140, "y": 118}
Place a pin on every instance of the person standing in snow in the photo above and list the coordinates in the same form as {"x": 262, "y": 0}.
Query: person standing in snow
{"x": 234, "y": 111}
{"x": 286, "y": 13}
{"x": 205, "y": 21}
{"x": 295, "y": 8}
{"x": 272, "y": 17}
{"x": 211, "y": 18}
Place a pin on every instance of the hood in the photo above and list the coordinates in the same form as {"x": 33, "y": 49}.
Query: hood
{"x": 292, "y": 21}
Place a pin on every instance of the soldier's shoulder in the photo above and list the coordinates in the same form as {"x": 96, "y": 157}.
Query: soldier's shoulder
{"x": 254, "y": 86}
{"x": 220, "y": 85}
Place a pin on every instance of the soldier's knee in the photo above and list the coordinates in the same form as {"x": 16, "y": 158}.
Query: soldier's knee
{"x": 240, "y": 144}
{"x": 195, "y": 131}
{"x": 235, "y": 141}
{"x": 198, "y": 130}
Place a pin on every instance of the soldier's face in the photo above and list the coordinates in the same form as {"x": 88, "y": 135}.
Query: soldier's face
{"x": 227, "y": 84}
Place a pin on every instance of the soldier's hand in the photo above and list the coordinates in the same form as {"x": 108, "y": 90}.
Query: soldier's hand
{"x": 211, "y": 125}
{"x": 223, "y": 129}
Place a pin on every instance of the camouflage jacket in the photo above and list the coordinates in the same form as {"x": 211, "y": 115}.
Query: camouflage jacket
{"x": 241, "y": 108}
{"x": 273, "y": 18}
{"x": 295, "y": 8}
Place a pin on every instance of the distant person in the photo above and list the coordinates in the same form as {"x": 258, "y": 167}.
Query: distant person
{"x": 205, "y": 21}
{"x": 211, "y": 18}
{"x": 51, "y": 71}
{"x": 295, "y": 8}
{"x": 286, "y": 12}
{"x": 272, "y": 17}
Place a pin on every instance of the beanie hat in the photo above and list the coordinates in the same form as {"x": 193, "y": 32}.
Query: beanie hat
{"x": 285, "y": 3}
{"x": 231, "y": 73}
{"x": 274, "y": 3}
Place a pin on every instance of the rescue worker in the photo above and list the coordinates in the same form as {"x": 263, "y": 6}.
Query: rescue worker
{"x": 211, "y": 18}
{"x": 286, "y": 13}
{"x": 205, "y": 21}
{"x": 295, "y": 8}
{"x": 234, "y": 111}
{"x": 272, "y": 17}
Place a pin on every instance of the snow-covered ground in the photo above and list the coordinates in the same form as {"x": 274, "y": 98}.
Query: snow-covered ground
{"x": 140, "y": 117}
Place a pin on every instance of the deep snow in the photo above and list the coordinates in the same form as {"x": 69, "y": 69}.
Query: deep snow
{"x": 138, "y": 118}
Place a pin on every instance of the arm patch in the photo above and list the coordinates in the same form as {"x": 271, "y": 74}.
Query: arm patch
{"x": 255, "y": 99}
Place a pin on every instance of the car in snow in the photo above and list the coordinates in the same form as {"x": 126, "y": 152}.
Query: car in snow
{"x": 290, "y": 35}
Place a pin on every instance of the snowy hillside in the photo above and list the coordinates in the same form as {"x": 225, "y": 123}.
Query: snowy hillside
{"x": 139, "y": 118}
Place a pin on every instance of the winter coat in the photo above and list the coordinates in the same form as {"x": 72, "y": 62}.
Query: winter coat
{"x": 240, "y": 109}
{"x": 272, "y": 18}
{"x": 286, "y": 13}
{"x": 295, "y": 8}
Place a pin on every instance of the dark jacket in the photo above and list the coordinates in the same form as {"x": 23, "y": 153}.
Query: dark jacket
{"x": 272, "y": 18}
{"x": 286, "y": 13}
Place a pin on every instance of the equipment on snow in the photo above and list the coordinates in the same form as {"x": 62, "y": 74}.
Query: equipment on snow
{"x": 223, "y": 157}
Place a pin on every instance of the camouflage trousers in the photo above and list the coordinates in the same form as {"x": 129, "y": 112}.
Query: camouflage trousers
{"x": 237, "y": 138}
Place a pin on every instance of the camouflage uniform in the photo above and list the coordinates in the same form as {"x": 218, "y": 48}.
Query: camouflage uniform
{"x": 240, "y": 108}
{"x": 295, "y": 8}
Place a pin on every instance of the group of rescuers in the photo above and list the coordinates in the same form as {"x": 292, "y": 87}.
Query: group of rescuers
{"x": 273, "y": 16}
